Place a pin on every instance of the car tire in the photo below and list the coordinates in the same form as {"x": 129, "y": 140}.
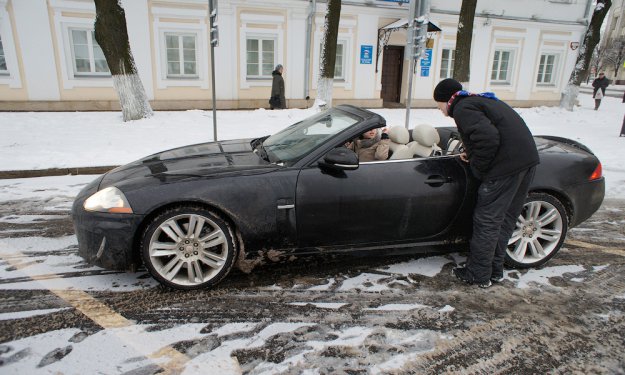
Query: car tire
{"x": 188, "y": 247}
{"x": 539, "y": 233}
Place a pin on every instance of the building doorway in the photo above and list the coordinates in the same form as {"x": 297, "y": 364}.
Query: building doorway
{"x": 392, "y": 67}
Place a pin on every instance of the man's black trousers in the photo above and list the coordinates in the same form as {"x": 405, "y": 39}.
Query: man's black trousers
{"x": 499, "y": 203}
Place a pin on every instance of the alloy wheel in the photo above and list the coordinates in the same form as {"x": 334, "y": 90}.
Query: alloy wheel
{"x": 188, "y": 250}
{"x": 539, "y": 232}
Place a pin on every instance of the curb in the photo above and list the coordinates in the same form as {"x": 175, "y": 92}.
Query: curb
{"x": 54, "y": 172}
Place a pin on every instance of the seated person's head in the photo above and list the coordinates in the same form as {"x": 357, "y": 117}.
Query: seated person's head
{"x": 371, "y": 134}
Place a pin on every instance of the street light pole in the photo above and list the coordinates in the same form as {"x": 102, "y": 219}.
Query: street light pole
{"x": 415, "y": 42}
{"x": 214, "y": 39}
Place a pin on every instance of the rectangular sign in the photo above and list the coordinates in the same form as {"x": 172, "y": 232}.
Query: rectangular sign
{"x": 425, "y": 71}
{"x": 397, "y": 1}
{"x": 427, "y": 60}
{"x": 366, "y": 53}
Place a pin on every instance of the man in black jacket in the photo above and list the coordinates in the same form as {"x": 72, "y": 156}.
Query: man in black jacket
{"x": 600, "y": 83}
{"x": 501, "y": 154}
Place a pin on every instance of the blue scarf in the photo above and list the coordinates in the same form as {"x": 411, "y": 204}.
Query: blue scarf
{"x": 488, "y": 95}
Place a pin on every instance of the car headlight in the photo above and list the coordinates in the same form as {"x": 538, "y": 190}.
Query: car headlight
{"x": 110, "y": 199}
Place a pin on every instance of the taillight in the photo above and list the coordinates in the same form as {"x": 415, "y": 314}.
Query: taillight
{"x": 597, "y": 173}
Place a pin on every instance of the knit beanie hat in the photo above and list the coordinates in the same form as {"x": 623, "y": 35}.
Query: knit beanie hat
{"x": 445, "y": 89}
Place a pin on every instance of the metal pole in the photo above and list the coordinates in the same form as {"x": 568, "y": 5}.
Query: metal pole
{"x": 214, "y": 96}
{"x": 311, "y": 12}
{"x": 409, "y": 99}
{"x": 417, "y": 31}
{"x": 414, "y": 9}
{"x": 214, "y": 39}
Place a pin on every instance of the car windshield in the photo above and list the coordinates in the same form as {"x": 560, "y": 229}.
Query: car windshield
{"x": 299, "y": 139}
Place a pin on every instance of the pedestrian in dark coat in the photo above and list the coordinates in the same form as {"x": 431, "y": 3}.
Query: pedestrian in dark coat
{"x": 502, "y": 154}
{"x": 277, "y": 100}
{"x": 600, "y": 83}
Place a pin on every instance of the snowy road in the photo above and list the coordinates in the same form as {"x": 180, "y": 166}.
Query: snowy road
{"x": 321, "y": 315}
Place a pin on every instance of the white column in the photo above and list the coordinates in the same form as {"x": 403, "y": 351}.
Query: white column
{"x": 295, "y": 54}
{"x": 528, "y": 59}
{"x": 364, "y": 75}
{"x": 138, "y": 25}
{"x": 480, "y": 56}
{"x": 33, "y": 30}
{"x": 226, "y": 53}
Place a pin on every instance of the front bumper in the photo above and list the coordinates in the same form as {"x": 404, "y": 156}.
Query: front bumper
{"x": 104, "y": 239}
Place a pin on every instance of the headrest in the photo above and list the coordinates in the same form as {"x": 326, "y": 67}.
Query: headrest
{"x": 399, "y": 134}
{"x": 426, "y": 135}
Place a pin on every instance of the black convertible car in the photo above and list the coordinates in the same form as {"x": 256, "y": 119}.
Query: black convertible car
{"x": 190, "y": 214}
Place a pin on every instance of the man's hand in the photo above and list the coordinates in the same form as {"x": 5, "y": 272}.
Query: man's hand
{"x": 464, "y": 157}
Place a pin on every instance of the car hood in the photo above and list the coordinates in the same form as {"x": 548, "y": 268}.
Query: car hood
{"x": 194, "y": 161}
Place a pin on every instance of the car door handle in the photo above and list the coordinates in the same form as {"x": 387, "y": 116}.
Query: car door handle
{"x": 437, "y": 180}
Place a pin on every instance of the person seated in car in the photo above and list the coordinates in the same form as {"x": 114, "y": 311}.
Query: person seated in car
{"x": 371, "y": 146}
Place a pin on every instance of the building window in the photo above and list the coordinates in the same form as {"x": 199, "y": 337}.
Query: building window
{"x": 447, "y": 63}
{"x": 261, "y": 56}
{"x": 339, "y": 63}
{"x": 181, "y": 55}
{"x": 3, "y": 62}
{"x": 545, "y": 69}
{"x": 88, "y": 58}
{"x": 502, "y": 66}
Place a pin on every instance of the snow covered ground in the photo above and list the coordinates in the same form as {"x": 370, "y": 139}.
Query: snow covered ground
{"x": 39, "y": 140}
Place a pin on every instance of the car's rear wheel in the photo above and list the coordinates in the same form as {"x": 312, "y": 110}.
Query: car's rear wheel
{"x": 539, "y": 233}
{"x": 188, "y": 248}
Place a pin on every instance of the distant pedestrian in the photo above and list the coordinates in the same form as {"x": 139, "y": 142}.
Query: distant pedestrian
{"x": 502, "y": 154}
{"x": 277, "y": 99}
{"x": 599, "y": 84}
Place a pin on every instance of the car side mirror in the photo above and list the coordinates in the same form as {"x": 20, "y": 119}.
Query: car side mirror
{"x": 340, "y": 159}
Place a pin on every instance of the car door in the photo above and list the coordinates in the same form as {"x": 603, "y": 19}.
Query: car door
{"x": 383, "y": 201}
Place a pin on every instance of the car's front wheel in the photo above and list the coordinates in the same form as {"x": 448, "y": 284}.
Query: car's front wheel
{"x": 188, "y": 248}
{"x": 539, "y": 233}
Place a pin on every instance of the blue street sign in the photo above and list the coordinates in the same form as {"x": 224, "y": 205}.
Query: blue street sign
{"x": 366, "y": 54}
{"x": 425, "y": 71}
{"x": 427, "y": 60}
{"x": 397, "y": 1}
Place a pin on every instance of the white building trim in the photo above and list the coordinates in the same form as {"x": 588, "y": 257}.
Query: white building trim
{"x": 12, "y": 77}
{"x": 62, "y": 26}
{"x": 346, "y": 38}
{"x": 274, "y": 30}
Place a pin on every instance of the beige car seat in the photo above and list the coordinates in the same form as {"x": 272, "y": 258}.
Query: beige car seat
{"x": 425, "y": 142}
{"x": 399, "y": 136}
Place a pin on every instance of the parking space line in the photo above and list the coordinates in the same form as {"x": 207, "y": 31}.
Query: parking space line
{"x": 108, "y": 318}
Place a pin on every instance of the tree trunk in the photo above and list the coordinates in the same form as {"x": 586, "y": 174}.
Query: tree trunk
{"x": 462, "y": 58}
{"x": 591, "y": 39}
{"x": 328, "y": 55}
{"x": 112, "y": 36}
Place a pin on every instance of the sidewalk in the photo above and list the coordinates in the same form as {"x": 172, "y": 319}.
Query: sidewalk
{"x": 29, "y": 173}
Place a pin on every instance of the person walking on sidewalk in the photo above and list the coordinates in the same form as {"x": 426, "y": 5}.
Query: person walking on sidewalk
{"x": 277, "y": 99}
{"x": 502, "y": 155}
{"x": 599, "y": 84}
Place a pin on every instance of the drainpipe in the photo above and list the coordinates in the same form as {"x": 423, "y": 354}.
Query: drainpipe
{"x": 311, "y": 12}
{"x": 586, "y": 13}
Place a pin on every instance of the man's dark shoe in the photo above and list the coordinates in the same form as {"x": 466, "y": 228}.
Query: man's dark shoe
{"x": 462, "y": 273}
